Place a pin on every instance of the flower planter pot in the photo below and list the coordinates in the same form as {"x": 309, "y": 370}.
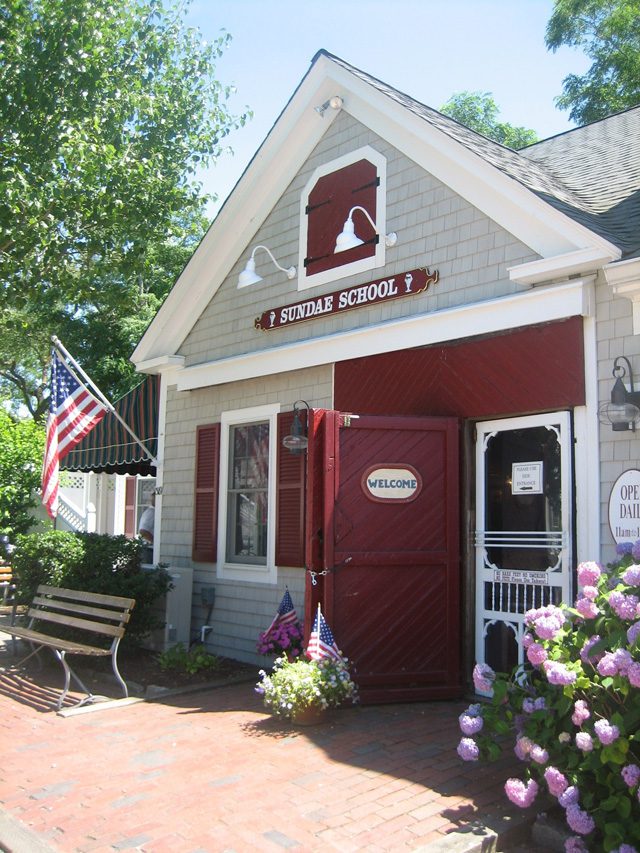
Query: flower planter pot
{"x": 311, "y": 716}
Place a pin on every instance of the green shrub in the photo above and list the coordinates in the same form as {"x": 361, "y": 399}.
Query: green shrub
{"x": 111, "y": 565}
{"x": 187, "y": 660}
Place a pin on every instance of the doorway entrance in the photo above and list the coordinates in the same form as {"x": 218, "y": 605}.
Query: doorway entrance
{"x": 390, "y": 550}
{"x": 524, "y": 529}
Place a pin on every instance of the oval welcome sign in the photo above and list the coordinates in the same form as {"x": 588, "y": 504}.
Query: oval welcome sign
{"x": 392, "y": 483}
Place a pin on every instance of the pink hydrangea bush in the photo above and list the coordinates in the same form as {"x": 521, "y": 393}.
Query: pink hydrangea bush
{"x": 572, "y": 713}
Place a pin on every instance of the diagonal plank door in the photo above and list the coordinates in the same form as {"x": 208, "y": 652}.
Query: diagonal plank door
{"x": 391, "y": 548}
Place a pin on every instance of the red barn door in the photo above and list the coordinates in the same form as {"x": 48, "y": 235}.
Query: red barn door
{"x": 390, "y": 545}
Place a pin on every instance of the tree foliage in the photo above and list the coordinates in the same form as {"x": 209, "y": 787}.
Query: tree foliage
{"x": 21, "y": 451}
{"x": 608, "y": 31}
{"x": 479, "y": 111}
{"x": 108, "y": 110}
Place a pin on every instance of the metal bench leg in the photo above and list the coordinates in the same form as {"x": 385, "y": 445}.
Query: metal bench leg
{"x": 68, "y": 673}
{"x": 116, "y": 671}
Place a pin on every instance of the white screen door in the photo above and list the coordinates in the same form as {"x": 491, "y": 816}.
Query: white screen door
{"x": 523, "y": 528}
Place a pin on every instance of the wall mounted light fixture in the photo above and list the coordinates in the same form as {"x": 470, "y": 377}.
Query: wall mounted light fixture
{"x": 348, "y": 239}
{"x": 249, "y": 274}
{"x": 335, "y": 103}
{"x": 297, "y": 442}
{"x": 623, "y": 410}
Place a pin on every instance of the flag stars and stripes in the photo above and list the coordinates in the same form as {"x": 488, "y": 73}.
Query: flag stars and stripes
{"x": 285, "y": 615}
{"x": 321, "y": 643}
{"x": 73, "y": 412}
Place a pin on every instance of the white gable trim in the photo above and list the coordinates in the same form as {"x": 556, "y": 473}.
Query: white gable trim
{"x": 540, "y": 305}
{"x": 571, "y": 263}
{"x": 289, "y": 144}
{"x": 624, "y": 280}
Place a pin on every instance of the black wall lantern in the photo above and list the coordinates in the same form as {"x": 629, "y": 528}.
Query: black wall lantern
{"x": 623, "y": 412}
{"x": 297, "y": 441}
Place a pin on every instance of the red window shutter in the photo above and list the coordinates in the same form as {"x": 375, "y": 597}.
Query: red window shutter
{"x": 130, "y": 507}
{"x": 328, "y": 207}
{"x": 205, "y": 515}
{"x": 289, "y": 500}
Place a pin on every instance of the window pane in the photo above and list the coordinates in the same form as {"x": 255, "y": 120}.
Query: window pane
{"x": 247, "y": 507}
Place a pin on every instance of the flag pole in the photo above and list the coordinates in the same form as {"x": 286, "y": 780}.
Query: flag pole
{"x": 58, "y": 345}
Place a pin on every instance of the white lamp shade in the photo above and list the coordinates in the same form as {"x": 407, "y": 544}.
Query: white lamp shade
{"x": 347, "y": 238}
{"x": 249, "y": 274}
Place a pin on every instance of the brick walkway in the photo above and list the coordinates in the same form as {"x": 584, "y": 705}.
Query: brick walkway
{"x": 209, "y": 771}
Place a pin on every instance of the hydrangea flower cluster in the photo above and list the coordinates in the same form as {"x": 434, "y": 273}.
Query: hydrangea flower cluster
{"x": 573, "y": 708}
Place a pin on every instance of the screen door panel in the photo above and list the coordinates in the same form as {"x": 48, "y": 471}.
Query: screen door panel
{"x": 524, "y": 528}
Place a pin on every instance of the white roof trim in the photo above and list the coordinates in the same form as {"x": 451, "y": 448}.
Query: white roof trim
{"x": 291, "y": 141}
{"x": 583, "y": 261}
{"x": 539, "y": 305}
{"x": 624, "y": 280}
{"x": 161, "y": 364}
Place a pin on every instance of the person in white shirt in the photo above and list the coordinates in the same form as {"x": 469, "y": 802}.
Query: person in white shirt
{"x": 147, "y": 519}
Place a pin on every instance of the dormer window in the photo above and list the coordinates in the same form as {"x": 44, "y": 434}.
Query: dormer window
{"x": 351, "y": 192}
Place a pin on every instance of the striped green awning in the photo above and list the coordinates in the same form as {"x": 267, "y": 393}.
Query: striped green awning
{"x": 109, "y": 447}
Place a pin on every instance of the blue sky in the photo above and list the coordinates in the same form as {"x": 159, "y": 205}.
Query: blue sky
{"x": 429, "y": 49}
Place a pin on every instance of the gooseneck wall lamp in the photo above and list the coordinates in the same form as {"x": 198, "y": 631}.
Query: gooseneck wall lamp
{"x": 623, "y": 410}
{"x": 297, "y": 442}
{"x": 348, "y": 239}
{"x": 249, "y": 274}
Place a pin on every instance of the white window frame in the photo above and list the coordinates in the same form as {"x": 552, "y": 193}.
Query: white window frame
{"x": 245, "y": 571}
{"x": 373, "y": 261}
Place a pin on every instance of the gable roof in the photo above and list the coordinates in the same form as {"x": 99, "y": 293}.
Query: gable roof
{"x": 600, "y": 163}
{"x": 534, "y": 193}
{"x": 591, "y": 173}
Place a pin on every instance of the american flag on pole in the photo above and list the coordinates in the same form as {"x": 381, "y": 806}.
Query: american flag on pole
{"x": 73, "y": 412}
{"x": 321, "y": 643}
{"x": 285, "y": 615}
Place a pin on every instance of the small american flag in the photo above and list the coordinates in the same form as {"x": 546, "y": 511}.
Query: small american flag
{"x": 321, "y": 643}
{"x": 286, "y": 613}
{"x": 73, "y": 412}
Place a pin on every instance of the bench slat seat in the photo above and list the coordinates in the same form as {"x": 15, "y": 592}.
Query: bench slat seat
{"x": 64, "y": 645}
{"x": 95, "y": 615}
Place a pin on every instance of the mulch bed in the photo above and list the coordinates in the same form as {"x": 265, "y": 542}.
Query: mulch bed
{"x": 140, "y": 667}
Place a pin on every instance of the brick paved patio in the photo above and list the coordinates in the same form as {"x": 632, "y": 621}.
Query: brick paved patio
{"x": 209, "y": 771}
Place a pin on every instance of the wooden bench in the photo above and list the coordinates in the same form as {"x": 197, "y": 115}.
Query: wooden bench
{"x": 92, "y": 615}
{"x": 6, "y": 582}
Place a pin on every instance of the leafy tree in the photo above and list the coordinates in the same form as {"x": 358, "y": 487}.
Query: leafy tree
{"x": 21, "y": 451}
{"x": 108, "y": 109}
{"x": 478, "y": 111}
{"x": 608, "y": 31}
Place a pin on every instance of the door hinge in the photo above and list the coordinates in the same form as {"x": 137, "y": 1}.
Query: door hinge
{"x": 347, "y": 418}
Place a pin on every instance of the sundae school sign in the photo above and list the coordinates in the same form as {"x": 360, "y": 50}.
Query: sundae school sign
{"x": 372, "y": 293}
